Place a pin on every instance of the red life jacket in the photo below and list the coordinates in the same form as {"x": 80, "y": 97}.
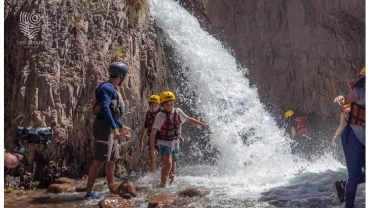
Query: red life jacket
{"x": 301, "y": 122}
{"x": 171, "y": 128}
{"x": 149, "y": 120}
{"x": 357, "y": 114}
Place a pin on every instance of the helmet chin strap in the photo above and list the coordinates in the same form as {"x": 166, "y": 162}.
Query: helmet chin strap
{"x": 120, "y": 82}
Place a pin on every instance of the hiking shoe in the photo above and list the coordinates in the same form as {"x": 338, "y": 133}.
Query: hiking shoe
{"x": 92, "y": 195}
{"x": 339, "y": 191}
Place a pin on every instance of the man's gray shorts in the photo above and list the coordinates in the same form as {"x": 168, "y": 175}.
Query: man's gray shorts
{"x": 106, "y": 148}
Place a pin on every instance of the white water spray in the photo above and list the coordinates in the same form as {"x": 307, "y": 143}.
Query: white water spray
{"x": 255, "y": 154}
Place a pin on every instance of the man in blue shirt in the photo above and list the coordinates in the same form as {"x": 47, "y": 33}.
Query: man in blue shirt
{"x": 108, "y": 108}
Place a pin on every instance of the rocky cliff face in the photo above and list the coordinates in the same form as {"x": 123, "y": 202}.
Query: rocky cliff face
{"x": 52, "y": 70}
{"x": 299, "y": 54}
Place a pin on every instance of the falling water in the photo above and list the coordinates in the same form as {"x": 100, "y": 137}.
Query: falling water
{"x": 255, "y": 154}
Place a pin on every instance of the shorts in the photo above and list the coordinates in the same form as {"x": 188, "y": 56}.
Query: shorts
{"x": 166, "y": 151}
{"x": 106, "y": 148}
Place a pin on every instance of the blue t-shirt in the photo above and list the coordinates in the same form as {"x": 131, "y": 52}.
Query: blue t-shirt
{"x": 105, "y": 93}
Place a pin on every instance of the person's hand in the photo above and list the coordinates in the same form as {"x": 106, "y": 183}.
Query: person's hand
{"x": 18, "y": 156}
{"x": 116, "y": 134}
{"x": 182, "y": 139}
{"x": 340, "y": 99}
{"x": 126, "y": 131}
{"x": 153, "y": 152}
{"x": 204, "y": 125}
{"x": 333, "y": 142}
{"x": 11, "y": 160}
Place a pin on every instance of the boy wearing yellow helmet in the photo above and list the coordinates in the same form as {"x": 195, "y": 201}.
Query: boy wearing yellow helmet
{"x": 168, "y": 124}
{"x": 154, "y": 104}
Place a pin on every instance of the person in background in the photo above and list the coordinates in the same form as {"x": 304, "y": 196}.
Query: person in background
{"x": 297, "y": 126}
{"x": 302, "y": 143}
{"x": 168, "y": 123}
{"x": 353, "y": 142}
{"x": 154, "y": 104}
{"x": 108, "y": 108}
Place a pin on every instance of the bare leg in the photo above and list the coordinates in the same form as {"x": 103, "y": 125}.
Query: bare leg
{"x": 172, "y": 173}
{"x": 93, "y": 173}
{"x": 166, "y": 168}
{"x": 109, "y": 170}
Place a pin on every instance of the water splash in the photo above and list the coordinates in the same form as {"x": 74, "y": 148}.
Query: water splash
{"x": 255, "y": 154}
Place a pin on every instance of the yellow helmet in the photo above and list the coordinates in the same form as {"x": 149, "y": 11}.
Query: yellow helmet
{"x": 288, "y": 113}
{"x": 362, "y": 72}
{"x": 166, "y": 96}
{"x": 154, "y": 99}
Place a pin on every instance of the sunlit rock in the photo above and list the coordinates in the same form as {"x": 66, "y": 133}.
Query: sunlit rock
{"x": 65, "y": 180}
{"x": 125, "y": 188}
{"x": 61, "y": 188}
{"x": 162, "y": 200}
{"x": 114, "y": 202}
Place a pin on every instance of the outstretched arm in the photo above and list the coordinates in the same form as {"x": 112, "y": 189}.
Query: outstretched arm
{"x": 349, "y": 98}
{"x": 196, "y": 122}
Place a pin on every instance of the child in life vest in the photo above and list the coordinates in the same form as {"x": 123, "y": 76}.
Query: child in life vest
{"x": 154, "y": 105}
{"x": 168, "y": 124}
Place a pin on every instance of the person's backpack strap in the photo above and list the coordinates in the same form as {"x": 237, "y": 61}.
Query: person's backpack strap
{"x": 95, "y": 102}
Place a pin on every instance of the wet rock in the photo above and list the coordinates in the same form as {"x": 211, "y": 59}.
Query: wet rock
{"x": 8, "y": 202}
{"x": 61, "y": 188}
{"x": 125, "y": 188}
{"x": 162, "y": 200}
{"x": 113, "y": 187}
{"x": 114, "y": 202}
{"x": 65, "y": 180}
{"x": 191, "y": 192}
{"x": 81, "y": 189}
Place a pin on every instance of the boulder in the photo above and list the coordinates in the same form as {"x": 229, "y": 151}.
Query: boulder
{"x": 162, "y": 200}
{"x": 114, "y": 202}
{"x": 65, "y": 180}
{"x": 191, "y": 192}
{"x": 125, "y": 188}
{"x": 61, "y": 188}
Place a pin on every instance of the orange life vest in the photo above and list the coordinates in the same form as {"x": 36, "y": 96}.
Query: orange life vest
{"x": 171, "y": 128}
{"x": 301, "y": 123}
{"x": 357, "y": 114}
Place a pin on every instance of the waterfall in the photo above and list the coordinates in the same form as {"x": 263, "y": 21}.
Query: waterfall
{"x": 255, "y": 154}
